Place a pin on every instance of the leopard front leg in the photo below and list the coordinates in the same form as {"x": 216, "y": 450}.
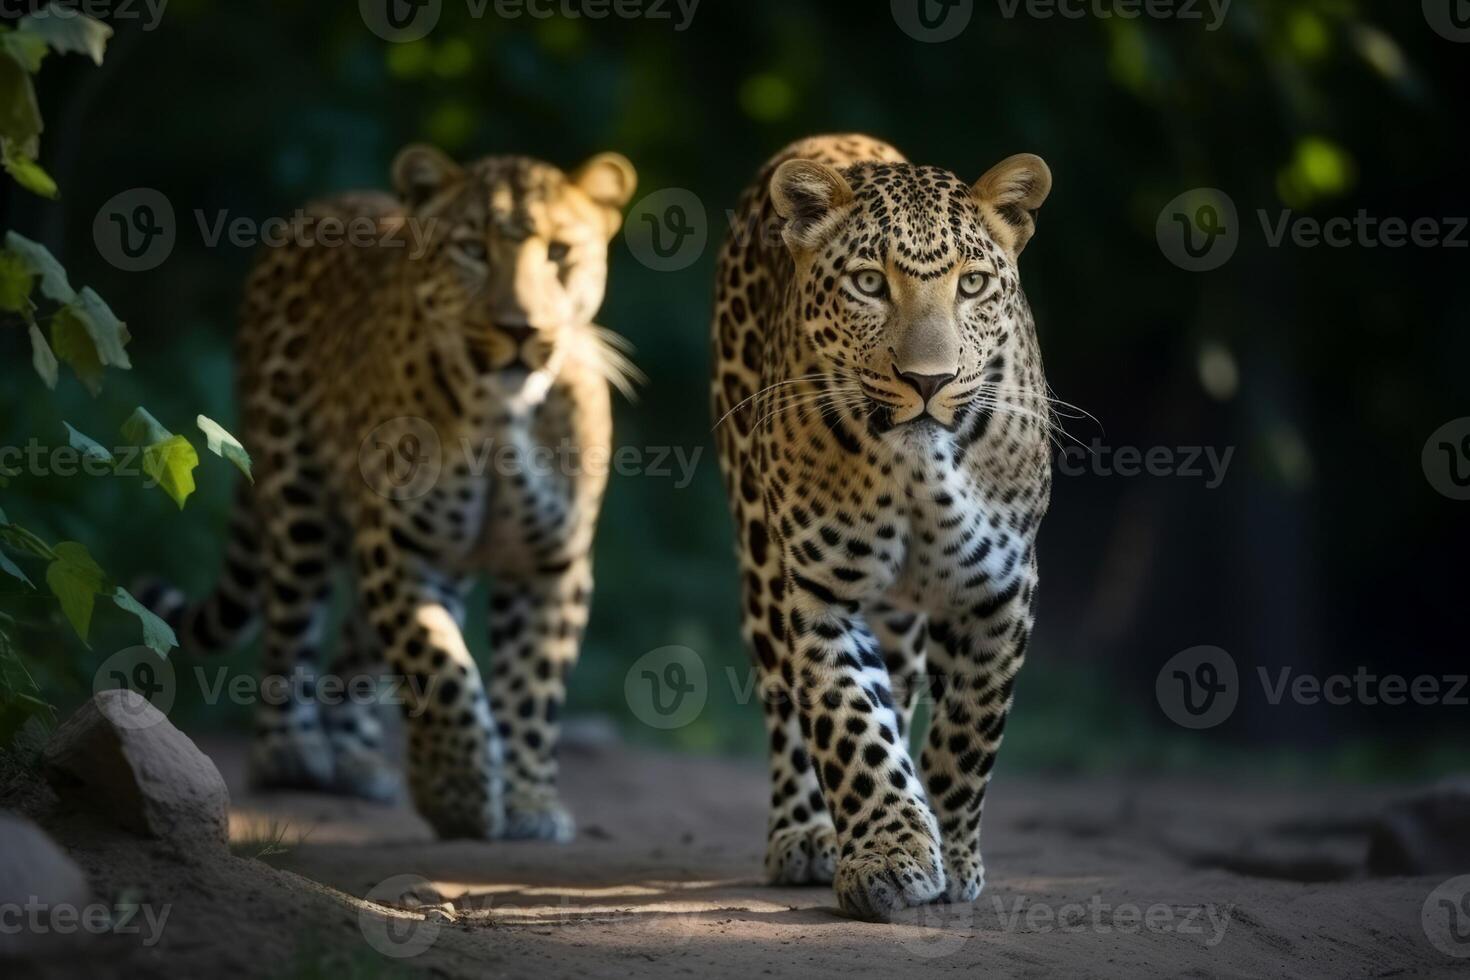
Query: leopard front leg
{"x": 974, "y": 658}
{"x": 536, "y": 625}
{"x": 889, "y": 845}
{"x": 454, "y": 751}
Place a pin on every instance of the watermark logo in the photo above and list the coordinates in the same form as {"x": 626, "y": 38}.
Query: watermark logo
{"x": 1198, "y": 688}
{"x": 123, "y": 918}
{"x": 1180, "y": 10}
{"x": 401, "y": 21}
{"x": 135, "y": 230}
{"x": 1206, "y": 463}
{"x": 150, "y": 12}
{"x": 935, "y": 930}
{"x": 667, "y": 230}
{"x": 932, "y": 21}
{"x": 1446, "y": 459}
{"x": 402, "y": 458}
{"x": 667, "y": 688}
{"x": 406, "y": 934}
{"x": 1450, "y": 19}
{"x": 1207, "y": 922}
{"x": 1199, "y": 230}
{"x": 146, "y": 674}
{"x": 1446, "y": 917}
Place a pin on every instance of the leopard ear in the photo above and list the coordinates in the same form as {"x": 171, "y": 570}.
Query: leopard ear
{"x": 420, "y": 172}
{"x": 809, "y": 195}
{"x": 1010, "y": 194}
{"x": 609, "y": 180}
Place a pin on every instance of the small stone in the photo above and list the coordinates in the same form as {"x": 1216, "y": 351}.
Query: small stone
{"x": 121, "y": 757}
{"x": 37, "y": 878}
{"x": 1427, "y": 834}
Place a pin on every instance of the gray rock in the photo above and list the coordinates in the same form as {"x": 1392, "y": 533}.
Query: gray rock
{"x": 1426, "y": 834}
{"x": 38, "y": 878}
{"x": 119, "y": 756}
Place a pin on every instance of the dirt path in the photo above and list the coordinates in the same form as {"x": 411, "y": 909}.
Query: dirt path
{"x": 1085, "y": 878}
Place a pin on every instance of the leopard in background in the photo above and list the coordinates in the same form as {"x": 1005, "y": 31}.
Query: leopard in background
{"x": 465, "y": 328}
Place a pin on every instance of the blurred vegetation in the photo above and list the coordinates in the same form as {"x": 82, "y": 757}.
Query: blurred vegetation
{"x": 1325, "y": 548}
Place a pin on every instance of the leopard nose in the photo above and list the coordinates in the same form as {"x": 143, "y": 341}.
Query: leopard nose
{"x": 927, "y": 385}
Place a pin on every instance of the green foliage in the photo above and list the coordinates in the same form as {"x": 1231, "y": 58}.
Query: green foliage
{"x": 225, "y": 446}
{"x": 169, "y": 460}
{"x": 21, "y": 52}
{"x": 75, "y": 578}
{"x": 89, "y": 338}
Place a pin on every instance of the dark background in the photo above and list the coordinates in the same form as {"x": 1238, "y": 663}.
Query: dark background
{"x": 1326, "y": 547}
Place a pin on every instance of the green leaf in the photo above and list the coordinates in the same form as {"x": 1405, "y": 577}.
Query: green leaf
{"x": 69, "y": 32}
{"x": 15, "y": 283}
{"x": 23, "y": 541}
{"x": 158, "y": 636}
{"x": 108, "y": 333}
{"x": 86, "y": 446}
{"x": 20, "y": 116}
{"x": 142, "y": 429}
{"x": 27, "y": 172}
{"x": 12, "y": 569}
{"x": 42, "y": 263}
{"x": 42, "y": 357}
{"x": 168, "y": 459}
{"x": 171, "y": 464}
{"x": 225, "y": 446}
{"x": 76, "y": 579}
{"x": 74, "y": 347}
{"x": 27, "y": 48}
{"x": 20, "y": 699}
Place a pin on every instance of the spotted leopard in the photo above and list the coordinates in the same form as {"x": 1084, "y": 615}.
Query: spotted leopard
{"x": 883, "y": 428}
{"x": 419, "y": 403}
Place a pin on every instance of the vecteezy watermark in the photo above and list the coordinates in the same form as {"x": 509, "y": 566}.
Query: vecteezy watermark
{"x": 1200, "y": 230}
{"x": 156, "y": 682}
{"x": 1212, "y": 12}
{"x": 39, "y": 918}
{"x": 1209, "y": 922}
{"x": 1450, "y": 19}
{"x": 1201, "y": 687}
{"x": 932, "y": 21}
{"x": 1446, "y": 917}
{"x": 150, "y": 12}
{"x": 1446, "y": 459}
{"x": 399, "y": 934}
{"x": 667, "y": 688}
{"x": 137, "y": 230}
{"x": 1362, "y": 230}
{"x": 403, "y": 459}
{"x": 667, "y": 231}
{"x": 402, "y": 21}
{"x": 36, "y": 458}
{"x": 1207, "y": 463}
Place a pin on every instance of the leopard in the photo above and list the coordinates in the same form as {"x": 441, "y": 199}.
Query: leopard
{"x": 427, "y": 402}
{"x": 883, "y": 425}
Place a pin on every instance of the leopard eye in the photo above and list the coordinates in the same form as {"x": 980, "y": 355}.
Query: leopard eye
{"x": 558, "y": 252}
{"x": 871, "y": 282}
{"x": 974, "y": 284}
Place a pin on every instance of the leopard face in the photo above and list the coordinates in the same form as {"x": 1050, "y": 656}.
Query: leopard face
{"x": 908, "y": 280}
{"x": 516, "y": 253}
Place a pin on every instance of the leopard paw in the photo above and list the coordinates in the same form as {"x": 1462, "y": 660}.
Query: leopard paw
{"x": 804, "y": 855}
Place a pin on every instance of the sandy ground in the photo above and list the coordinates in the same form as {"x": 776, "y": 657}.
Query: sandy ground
{"x": 1086, "y": 878}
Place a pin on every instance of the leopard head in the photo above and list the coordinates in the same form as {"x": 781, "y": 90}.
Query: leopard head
{"x": 515, "y": 255}
{"x": 907, "y": 280}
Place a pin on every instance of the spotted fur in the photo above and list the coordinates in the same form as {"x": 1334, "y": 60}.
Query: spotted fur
{"x": 883, "y": 430}
{"x": 398, "y": 400}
